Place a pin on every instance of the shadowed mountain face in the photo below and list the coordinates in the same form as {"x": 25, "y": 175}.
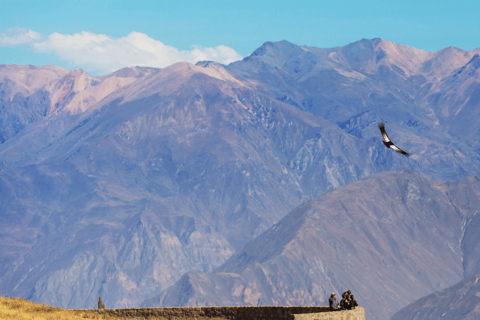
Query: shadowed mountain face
{"x": 118, "y": 185}
{"x": 458, "y": 302}
{"x": 390, "y": 239}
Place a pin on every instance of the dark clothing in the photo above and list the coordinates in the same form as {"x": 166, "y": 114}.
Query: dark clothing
{"x": 333, "y": 303}
{"x": 353, "y": 304}
{"x": 347, "y": 303}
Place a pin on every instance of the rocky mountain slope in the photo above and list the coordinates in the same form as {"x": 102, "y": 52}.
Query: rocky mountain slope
{"x": 426, "y": 96}
{"x": 391, "y": 239}
{"x": 119, "y": 185}
{"x": 29, "y": 93}
{"x": 458, "y": 302}
{"x": 171, "y": 174}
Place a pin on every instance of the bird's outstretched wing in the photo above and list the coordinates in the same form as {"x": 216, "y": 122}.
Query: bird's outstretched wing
{"x": 381, "y": 126}
{"x": 389, "y": 142}
{"x": 394, "y": 147}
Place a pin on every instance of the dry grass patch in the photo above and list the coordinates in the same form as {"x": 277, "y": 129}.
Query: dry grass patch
{"x": 21, "y": 309}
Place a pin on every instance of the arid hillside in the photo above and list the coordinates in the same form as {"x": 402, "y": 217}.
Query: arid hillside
{"x": 120, "y": 185}
{"x": 21, "y": 309}
{"x": 391, "y": 239}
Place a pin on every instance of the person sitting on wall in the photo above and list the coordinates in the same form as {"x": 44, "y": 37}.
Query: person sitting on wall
{"x": 353, "y": 303}
{"x": 333, "y": 302}
{"x": 344, "y": 301}
{"x": 348, "y": 304}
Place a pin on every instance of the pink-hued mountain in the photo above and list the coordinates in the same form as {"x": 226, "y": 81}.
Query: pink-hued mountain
{"x": 119, "y": 185}
{"x": 74, "y": 91}
{"x": 29, "y": 93}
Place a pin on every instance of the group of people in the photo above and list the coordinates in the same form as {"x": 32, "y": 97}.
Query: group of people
{"x": 347, "y": 303}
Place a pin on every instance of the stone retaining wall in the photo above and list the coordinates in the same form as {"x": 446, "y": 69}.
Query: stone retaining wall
{"x": 357, "y": 314}
{"x": 234, "y": 313}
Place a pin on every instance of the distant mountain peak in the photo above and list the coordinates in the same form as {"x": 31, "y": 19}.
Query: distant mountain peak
{"x": 204, "y": 63}
{"x": 261, "y": 50}
{"x": 365, "y": 55}
{"x": 136, "y": 72}
{"x": 169, "y": 79}
{"x": 475, "y": 61}
{"x": 272, "y": 48}
{"x": 469, "y": 68}
{"x": 79, "y": 71}
{"x": 211, "y": 69}
{"x": 376, "y": 41}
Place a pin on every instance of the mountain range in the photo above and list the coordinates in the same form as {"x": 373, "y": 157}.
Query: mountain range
{"x": 391, "y": 239}
{"x": 119, "y": 185}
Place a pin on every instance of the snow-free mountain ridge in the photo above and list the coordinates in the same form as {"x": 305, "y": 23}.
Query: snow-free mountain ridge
{"x": 119, "y": 185}
{"x": 390, "y": 239}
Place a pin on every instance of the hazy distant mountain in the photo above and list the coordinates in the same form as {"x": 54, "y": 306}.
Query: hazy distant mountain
{"x": 173, "y": 173}
{"x": 458, "y": 302}
{"x": 119, "y": 185}
{"x": 391, "y": 239}
{"x": 29, "y": 93}
{"x": 410, "y": 89}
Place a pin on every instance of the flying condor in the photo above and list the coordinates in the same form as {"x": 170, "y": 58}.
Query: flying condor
{"x": 388, "y": 143}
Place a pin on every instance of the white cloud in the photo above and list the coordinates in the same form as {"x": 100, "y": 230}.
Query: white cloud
{"x": 13, "y": 37}
{"x": 100, "y": 52}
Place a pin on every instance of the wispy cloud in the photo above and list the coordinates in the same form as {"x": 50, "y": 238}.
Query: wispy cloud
{"x": 102, "y": 53}
{"x": 18, "y": 36}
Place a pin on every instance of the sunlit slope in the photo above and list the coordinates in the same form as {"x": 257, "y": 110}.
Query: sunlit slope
{"x": 21, "y": 309}
{"x": 29, "y": 94}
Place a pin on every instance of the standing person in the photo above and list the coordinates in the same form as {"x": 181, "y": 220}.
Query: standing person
{"x": 332, "y": 302}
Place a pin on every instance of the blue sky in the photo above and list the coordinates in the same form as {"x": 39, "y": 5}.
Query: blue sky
{"x": 102, "y": 36}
